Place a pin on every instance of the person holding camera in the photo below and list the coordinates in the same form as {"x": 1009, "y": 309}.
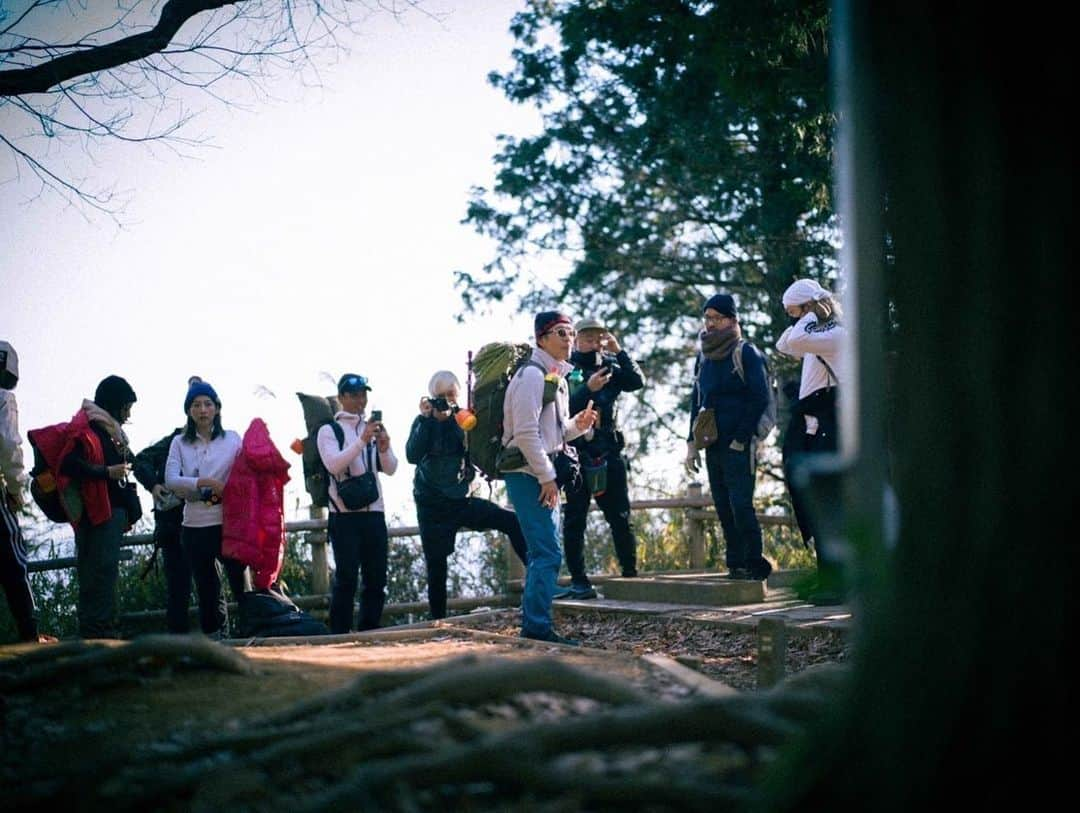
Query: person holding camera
{"x": 354, "y": 450}
{"x": 736, "y": 403}
{"x": 603, "y": 371}
{"x": 816, "y": 336}
{"x": 537, "y": 428}
{"x": 441, "y": 486}
{"x": 14, "y": 576}
{"x": 149, "y": 470}
{"x": 196, "y": 469}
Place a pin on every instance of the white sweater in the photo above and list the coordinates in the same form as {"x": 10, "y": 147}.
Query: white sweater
{"x": 188, "y": 462}
{"x": 352, "y": 458}
{"x": 810, "y": 341}
{"x": 530, "y": 425}
{"x": 12, "y": 471}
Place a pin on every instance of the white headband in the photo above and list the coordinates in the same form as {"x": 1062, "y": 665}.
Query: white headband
{"x": 802, "y": 291}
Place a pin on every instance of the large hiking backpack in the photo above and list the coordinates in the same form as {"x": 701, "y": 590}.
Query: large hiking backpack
{"x": 57, "y": 505}
{"x": 767, "y": 421}
{"x": 318, "y": 411}
{"x": 491, "y": 370}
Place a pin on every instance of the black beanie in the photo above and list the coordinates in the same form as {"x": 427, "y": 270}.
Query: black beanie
{"x": 546, "y": 320}
{"x": 112, "y": 393}
{"x": 721, "y": 303}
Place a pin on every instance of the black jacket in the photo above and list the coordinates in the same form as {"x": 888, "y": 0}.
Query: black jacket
{"x": 437, "y": 449}
{"x": 627, "y": 377}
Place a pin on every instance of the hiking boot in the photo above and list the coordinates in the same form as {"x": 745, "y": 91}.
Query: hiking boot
{"x": 740, "y": 574}
{"x": 577, "y": 592}
{"x": 551, "y": 637}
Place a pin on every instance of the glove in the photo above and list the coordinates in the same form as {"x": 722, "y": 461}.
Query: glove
{"x": 693, "y": 462}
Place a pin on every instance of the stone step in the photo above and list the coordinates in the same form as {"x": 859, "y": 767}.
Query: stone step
{"x": 702, "y": 589}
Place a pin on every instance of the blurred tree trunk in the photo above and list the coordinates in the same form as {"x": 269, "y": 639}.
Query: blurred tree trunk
{"x": 959, "y": 684}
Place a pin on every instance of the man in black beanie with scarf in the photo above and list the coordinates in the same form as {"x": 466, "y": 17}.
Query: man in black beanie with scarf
{"x": 737, "y": 402}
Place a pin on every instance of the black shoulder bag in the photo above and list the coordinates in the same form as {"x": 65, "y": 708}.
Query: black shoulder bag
{"x": 355, "y": 493}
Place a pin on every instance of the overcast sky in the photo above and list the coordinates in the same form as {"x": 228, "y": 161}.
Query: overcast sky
{"x": 318, "y": 234}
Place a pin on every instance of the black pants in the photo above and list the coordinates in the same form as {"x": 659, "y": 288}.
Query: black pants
{"x": 797, "y": 446}
{"x": 177, "y": 572}
{"x": 97, "y": 552}
{"x": 440, "y": 520}
{"x": 202, "y": 547}
{"x": 360, "y": 543}
{"x": 615, "y": 503}
{"x": 731, "y": 478}
{"x": 13, "y": 573}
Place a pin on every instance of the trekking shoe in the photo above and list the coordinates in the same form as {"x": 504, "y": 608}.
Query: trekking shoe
{"x": 577, "y": 592}
{"x": 552, "y": 637}
{"x": 740, "y": 574}
{"x": 563, "y": 592}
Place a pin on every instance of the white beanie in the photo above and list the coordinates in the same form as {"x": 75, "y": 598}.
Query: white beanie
{"x": 802, "y": 291}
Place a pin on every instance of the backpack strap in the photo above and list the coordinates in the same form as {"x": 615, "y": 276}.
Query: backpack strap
{"x": 829, "y": 370}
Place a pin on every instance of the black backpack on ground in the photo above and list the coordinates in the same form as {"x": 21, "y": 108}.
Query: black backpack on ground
{"x": 272, "y": 614}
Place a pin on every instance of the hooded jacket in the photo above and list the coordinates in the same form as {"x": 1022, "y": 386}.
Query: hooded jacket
{"x": 253, "y": 506}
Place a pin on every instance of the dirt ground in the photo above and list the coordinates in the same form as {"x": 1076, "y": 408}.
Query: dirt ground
{"x": 76, "y": 729}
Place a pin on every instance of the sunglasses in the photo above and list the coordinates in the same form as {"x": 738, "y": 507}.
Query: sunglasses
{"x": 562, "y": 333}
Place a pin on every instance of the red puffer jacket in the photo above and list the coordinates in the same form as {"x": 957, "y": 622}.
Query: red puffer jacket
{"x": 253, "y": 506}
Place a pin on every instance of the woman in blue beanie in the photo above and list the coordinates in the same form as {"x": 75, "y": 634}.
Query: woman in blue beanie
{"x": 200, "y": 459}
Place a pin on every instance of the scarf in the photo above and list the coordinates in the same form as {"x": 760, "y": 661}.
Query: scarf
{"x": 96, "y": 414}
{"x": 718, "y": 343}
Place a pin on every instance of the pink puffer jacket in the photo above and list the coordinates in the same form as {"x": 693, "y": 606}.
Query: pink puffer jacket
{"x": 253, "y": 506}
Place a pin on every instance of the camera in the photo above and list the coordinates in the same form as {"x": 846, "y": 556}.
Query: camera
{"x": 376, "y": 416}
{"x": 441, "y": 404}
{"x": 208, "y": 496}
{"x": 605, "y": 361}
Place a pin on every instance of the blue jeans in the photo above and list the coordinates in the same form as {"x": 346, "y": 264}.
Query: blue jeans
{"x": 541, "y": 528}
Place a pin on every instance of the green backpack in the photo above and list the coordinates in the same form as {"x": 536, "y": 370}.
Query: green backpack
{"x": 490, "y": 372}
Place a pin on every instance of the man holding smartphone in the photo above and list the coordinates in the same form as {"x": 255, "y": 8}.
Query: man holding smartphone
{"x": 358, "y": 536}
{"x": 606, "y": 371}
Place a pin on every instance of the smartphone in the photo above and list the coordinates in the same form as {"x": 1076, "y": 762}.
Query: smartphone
{"x": 376, "y": 416}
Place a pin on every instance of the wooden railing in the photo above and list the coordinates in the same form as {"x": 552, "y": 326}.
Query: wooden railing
{"x": 698, "y": 506}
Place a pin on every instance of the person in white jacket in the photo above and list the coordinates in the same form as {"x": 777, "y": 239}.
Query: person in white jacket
{"x": 14, "y": 576}
{"x": 358, "y": 535}
{"x": 816, "y": 337}
{"x": 537, "y": 427}
{"x": 199, "y": 463}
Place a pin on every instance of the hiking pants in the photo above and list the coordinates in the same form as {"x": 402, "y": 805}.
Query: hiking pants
{"x": 360, "y": 542}
{"x": 202, "y": 547}
{"x": 615, "y": 503}
{"x": 13, "y": 573}
{"x": 731, "y": 479}
{"x": 440, "y": 520}
{"x": 97, "y": 552}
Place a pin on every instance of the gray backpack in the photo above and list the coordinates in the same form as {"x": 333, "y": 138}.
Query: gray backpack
{"x": 767, "y": 421}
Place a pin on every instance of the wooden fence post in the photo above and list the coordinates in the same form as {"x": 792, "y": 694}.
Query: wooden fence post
{"x": 771, "y": 652}
{"x": 515, "y": 570}
{"x": 320, "y": 563}
{"x": 695, "y": 529}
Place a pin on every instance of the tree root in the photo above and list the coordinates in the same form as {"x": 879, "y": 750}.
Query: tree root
{"x": 357, "y": 746}
{"x": 78, "y": 661}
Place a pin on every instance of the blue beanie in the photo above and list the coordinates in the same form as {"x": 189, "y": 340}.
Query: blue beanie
{"x": 721, "y": 303}
{"x": 197, "y": 389}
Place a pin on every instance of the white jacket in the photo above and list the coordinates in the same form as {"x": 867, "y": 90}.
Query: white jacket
{"x": 188, "y": 462}
{"x": 12, "y": 471}
{"x": 352, "y": 458}
{"x": 812, "y": 342}
{"x": 530, "y": 425}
